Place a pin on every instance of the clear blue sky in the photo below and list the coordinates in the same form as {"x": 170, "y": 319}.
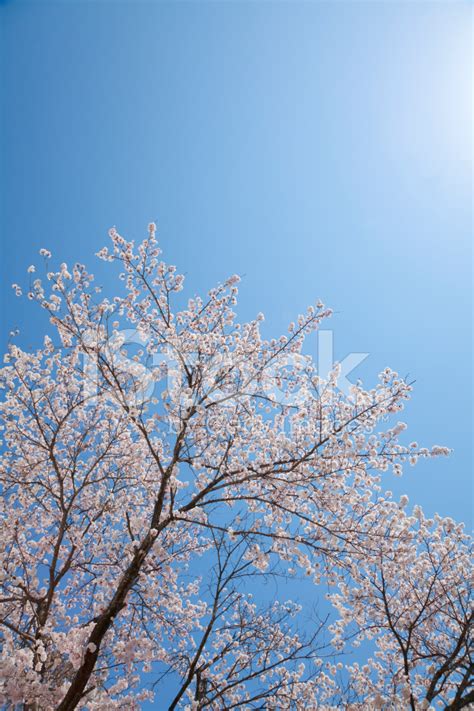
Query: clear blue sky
{"x": 323, "y": 149}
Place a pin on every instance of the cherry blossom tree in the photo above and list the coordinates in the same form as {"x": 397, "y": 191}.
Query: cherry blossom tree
{"x": 412, "y": 596}
{"x": 162, "y": 461}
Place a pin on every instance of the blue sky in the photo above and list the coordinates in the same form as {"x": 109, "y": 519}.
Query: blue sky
{"x": 322, "y": 149}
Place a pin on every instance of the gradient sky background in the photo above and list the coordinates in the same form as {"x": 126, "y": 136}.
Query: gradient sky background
{"x": 322, "y": 149}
